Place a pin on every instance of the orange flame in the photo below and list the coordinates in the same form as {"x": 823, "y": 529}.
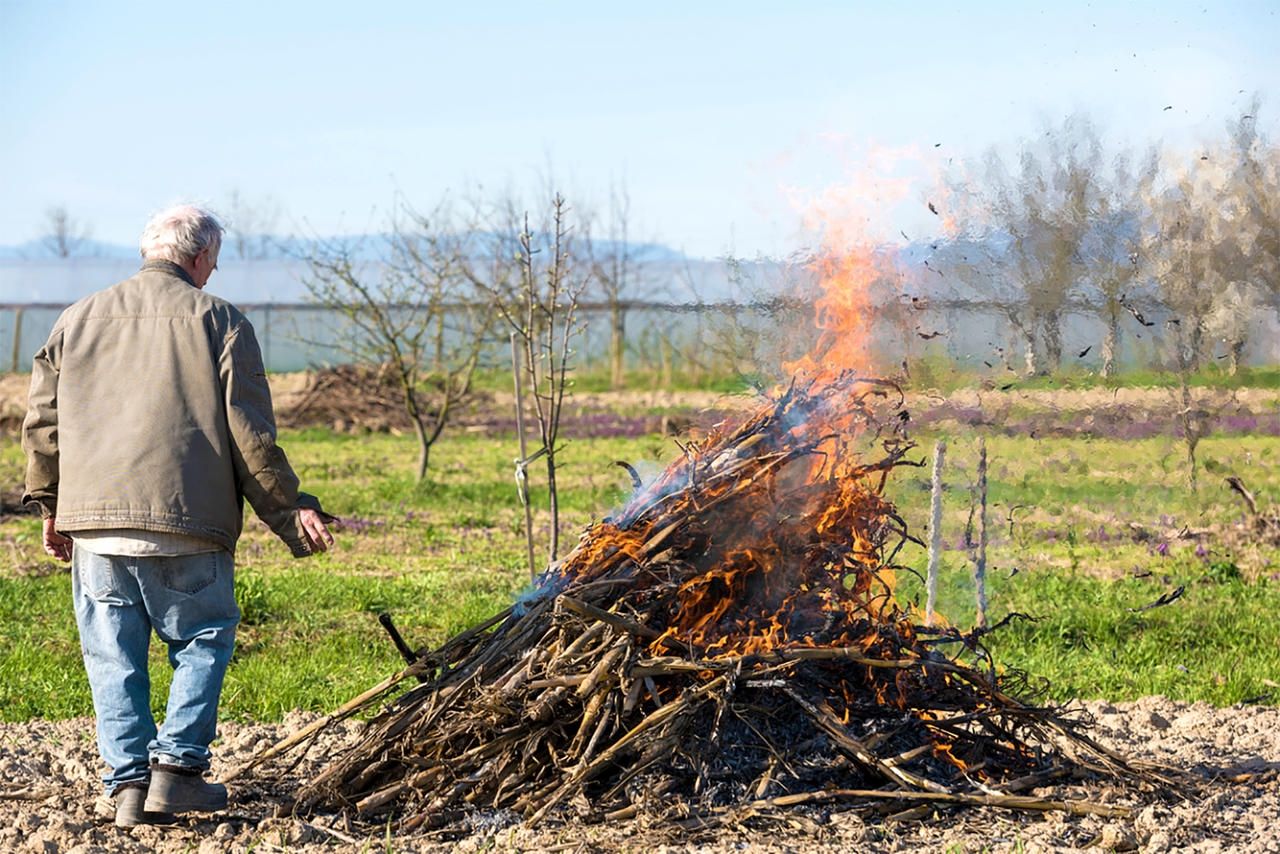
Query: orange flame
{"x": 843, "y": 313}
{"x": 857, "y": 263}
{"x": 770, "y": 535}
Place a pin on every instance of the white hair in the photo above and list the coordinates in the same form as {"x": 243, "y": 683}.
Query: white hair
{"x": 180, "y": 233}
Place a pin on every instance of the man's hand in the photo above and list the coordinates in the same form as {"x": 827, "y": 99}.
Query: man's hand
{"x": 318, "y": 536}
{"x": 55, "y": 544}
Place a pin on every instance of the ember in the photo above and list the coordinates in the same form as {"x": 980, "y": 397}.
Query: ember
{"x": 729, "y": 641}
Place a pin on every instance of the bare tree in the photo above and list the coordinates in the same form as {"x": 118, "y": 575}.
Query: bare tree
{"x": 978, "y": 261}
{"x": 412, "y": 312}
{"x": 1231, "y": 320}
{"x": 1189, "y": 251}
{"x": 617, "y": 270}
{"x": 1255, "y": 187}
{"x": 1194, "y": 420}
{"x": 1185, "y": 252}
{"x": 1111, "y": 246}
{"x": 251, "y": 227}
{"x": 64, "y": 236}
{"x": 754, "y": 325}
{"x": 542, "y": 311}
{"x": 1037, "y": 213}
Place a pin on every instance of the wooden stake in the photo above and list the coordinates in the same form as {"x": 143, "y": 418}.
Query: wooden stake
{"x": 16, "y": 356}
{"x": 935, "y": 532}
{"x": 980, "y": 565}
{"x": 522, "y": 472}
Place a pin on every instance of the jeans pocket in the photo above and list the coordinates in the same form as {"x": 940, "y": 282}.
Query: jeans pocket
{"x": 97, "y": 574}
{"x": 190, "y": 574}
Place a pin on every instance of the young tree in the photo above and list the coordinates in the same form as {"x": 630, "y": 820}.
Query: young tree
{"x": 410, "y": 311}
{"x": 540, "y": 306}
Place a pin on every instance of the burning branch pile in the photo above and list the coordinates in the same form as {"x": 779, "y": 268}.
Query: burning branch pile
{"x": 729, "y": 641}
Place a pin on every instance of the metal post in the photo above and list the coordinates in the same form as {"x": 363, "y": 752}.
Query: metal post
{"x": 935, "y": 532}
{"x": 266, "y": 337}
{"x": 522, "y": 473}
{"x": 980, "y": 565}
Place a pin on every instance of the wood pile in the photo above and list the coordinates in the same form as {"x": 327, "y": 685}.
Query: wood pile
{"x": 350, "y": 398}
{"x": 727, "y": 644}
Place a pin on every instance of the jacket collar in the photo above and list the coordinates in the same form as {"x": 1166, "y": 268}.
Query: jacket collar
{"x": 161, "y": 265}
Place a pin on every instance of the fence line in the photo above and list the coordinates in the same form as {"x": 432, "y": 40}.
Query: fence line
{"x": 696, "y": 337}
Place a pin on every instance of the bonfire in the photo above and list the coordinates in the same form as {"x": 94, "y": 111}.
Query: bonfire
{"x": 729, "y": 642}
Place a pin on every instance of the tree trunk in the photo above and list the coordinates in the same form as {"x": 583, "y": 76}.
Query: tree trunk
{"x": 1111, "y": 343}
{"x": 667, "y": 370}
{"x": 424, "y": 449}
{"x": 554, "y": 505}
{"x": 1027, "y": 332}
{"x": 439, "y": 342}
{"x": 1195, "y": 349}
{"x": 1188, "y": 415}
{"x": 1029, "y": 354}
{"x": 1053, "y": 342}
{"x": 1235, "y": 356}
{"x": 417, "y": 418}
{"x": 617, "y": 344}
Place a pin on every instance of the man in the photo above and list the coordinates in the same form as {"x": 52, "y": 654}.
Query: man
{"x": 149, "y": 423}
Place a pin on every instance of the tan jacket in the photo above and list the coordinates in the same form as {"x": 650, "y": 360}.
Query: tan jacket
{"x": 150, "y": 410}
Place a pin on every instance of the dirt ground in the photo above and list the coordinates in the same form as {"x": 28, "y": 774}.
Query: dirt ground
{"x": 49, "y": 801}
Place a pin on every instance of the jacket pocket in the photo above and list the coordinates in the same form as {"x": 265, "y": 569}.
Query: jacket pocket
{"x": 190, "y": 574}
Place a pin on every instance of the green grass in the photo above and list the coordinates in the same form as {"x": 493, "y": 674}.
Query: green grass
{"x": 442, "y": 555}
{"x": 933, "y": 372}
{"x": 943, "y": 373}
{"x": 439, "y": 556}
{"x": 1088, "y": 639}
{"x": 1211, "y": 376}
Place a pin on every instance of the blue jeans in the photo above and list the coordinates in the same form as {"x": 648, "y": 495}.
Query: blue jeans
{"x": 190, "y": 602}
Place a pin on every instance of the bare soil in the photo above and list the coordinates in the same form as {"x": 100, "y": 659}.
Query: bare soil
{"x": 1116, "y": 413}
{"x": 50, "y": 801}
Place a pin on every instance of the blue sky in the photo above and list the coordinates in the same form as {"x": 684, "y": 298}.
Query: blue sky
{"x": 716, "y": 115}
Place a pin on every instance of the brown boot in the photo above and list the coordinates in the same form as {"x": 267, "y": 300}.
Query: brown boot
{"x": 131, "y": 811}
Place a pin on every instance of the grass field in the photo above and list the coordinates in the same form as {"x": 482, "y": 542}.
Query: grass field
{"x": 1094, "y": 536}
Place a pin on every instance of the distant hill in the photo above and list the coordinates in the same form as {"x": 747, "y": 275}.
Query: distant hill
{"x": 282, "y": 279}
{"x": 270, "y": 247}
{"x": 275, "y": 270}
{"x": 30, "y": 273}
{"x": 36, "y": 249}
